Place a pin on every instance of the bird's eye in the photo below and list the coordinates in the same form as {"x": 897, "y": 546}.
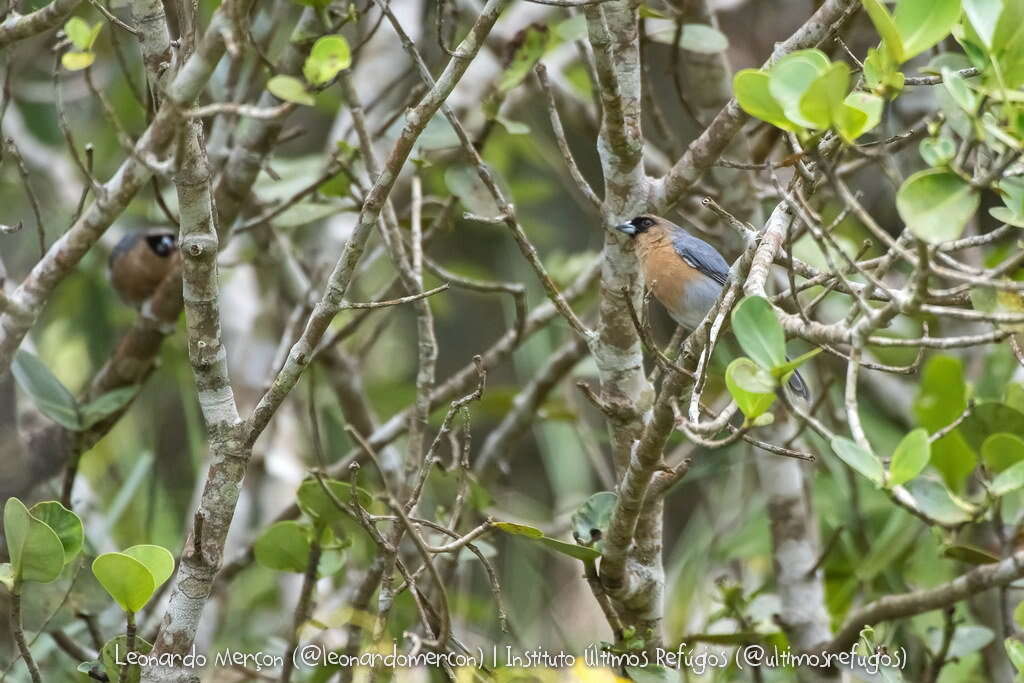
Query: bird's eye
{"x": 162, "y": 245}
{"x": 646, "y": 222}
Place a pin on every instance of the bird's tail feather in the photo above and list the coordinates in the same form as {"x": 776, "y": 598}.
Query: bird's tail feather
{"x": 799, "y": 386}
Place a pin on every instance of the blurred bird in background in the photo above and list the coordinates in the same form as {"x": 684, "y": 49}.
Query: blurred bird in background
{"x": 686, "y": 274}
{"x": 140, "y": 261}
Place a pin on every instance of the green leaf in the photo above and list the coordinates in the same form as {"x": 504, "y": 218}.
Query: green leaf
{"x": 936, "y": 205}
{"x": 937, "y": 151}
{"x": 65, "y": 523}
{"x": 863, "y": 462}
{"x": 1013, "y": 396}
{"x": 519, "y": 529}
{"x": 970, "y": 554}
{"x": 941, "y": 399}
{"x": 910, "y": 457}
{"x": 1018, "y": 614}
{"x": 36, "y": 551}
{"x": 157, "y": 559}
{"x": 822, "y": 102}
{"x": 759, "y": 332}
{"x": 319, "y": 507}
{"x": 94, "y": 33}
{"x": 127, "y": 580}
{"x": 328, "y": 56}
{"x": 1010, "y": 479}
{"x": 81, "y": 35}
{"x": 1015, "y": 651}
{"x": 860, "y": 113}
{"x": 791, "y": 77}
{"x": 984, "y": 17}
{"x": 106, "y": 405}
{"x": 751, "y": 387}
{"x": 881, "y": 73}
{"x": 590, "y": 521}
{"x": 936, "y": 501}
{"x": 76, "y": 61}
{"x": 290, "y": 89}
{"x": 571, "y": 549}
{"x": 532, "y": 46}
{"x": 1011, "y": 190}
{"x": 1003, "y": 453}
{"x": 114, "y": 651}
{"x": 284, "y": 546}
{"x": 922, "y": 24}
{"x": 703, "y": 39}
{"x": 956, "y": 86}
{"x": 886, "y": 27}
{"x": 580, "y": 552}
{"x": 48, "y": 393}
{"x": 755, "y": 98}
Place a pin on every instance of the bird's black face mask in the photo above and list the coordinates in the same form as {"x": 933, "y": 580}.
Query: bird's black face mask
{"x": 636, "y": 226}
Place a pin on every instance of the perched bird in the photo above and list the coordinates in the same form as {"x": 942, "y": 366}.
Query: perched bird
{"x": 686, "y": 274}
{"x": 139, "y": 262}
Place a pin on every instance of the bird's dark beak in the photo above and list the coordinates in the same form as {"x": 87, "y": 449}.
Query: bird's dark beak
{"x": 627, "y": 228}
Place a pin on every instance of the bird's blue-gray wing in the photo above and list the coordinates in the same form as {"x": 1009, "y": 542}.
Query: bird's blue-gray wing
{"x": 701, "y": 255}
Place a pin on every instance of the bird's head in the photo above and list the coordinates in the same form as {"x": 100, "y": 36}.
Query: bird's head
{"x": 644, "y": 226}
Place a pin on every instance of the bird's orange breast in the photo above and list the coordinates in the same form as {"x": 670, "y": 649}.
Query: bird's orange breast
{"x": 665, "y": 272}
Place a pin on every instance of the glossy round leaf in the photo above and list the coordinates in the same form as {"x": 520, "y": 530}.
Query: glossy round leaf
{"x": 791, "y": 77}
{"x": 755, "y": 98}
{"x": 284, "y": 546}
{"x": 956, "y": 86}
{"x": 81, "y": 35}
{"x": 860, "y": 113}
{"x": 319, "y": 507}
{"x": 127, "y": 580}
{"x": 862, "y": 461}
{"x": 76, "y": 61}
{"x": 886, "y": 27}
{"x": 290, "y": 89}
{"x": 936, "y": 205}
{"x": 1010, "y": 479}
{"x": 822, "y": 103}
{"x": 35, "y": 549}
{"x": 984, "y": 17}
{"x": 65, "y": 523}
{"x": 752, "y": 388}
{"x": 157, "y": 559}
{"x": 1002, "y": 452}
{"x": 939, "y": 503}
{"x": 937, "y": 151}
{"x": 922, "y": 24}
{"x": 759, "y": 332}
{"x": 328, "y": 56}
{"x": 910, "y": 457}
